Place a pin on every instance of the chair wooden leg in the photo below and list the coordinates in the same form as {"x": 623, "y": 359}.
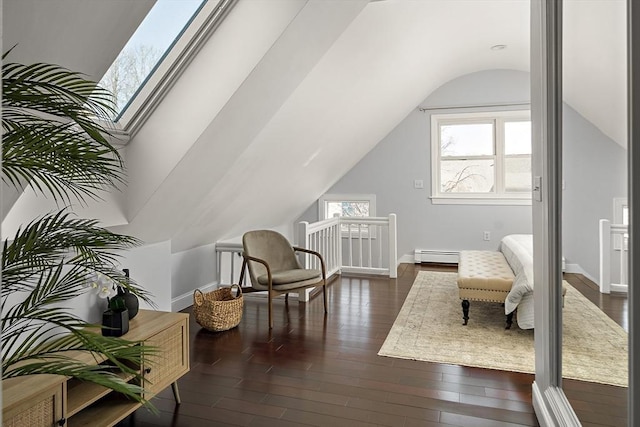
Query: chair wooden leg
{"x": 324, "y": 297}
{"x": 270, "y": 312}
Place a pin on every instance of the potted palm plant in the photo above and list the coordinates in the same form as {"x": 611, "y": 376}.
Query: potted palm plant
{"x": 56, "y": 141}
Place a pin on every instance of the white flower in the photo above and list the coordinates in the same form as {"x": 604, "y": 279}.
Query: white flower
{"x": 105, "y": 291}
{"x": 102, "y": 284}
{"x": 92, "y": 281}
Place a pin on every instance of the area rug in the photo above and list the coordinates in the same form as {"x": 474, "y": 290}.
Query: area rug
{"x": 429, "y": 328}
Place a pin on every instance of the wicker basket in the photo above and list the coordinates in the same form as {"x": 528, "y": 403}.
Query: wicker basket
{"x": 218, "y": 310}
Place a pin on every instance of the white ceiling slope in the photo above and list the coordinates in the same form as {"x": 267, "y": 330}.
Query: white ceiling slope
{"x": 594, "y": 61}
{"x": 288, "y": 95}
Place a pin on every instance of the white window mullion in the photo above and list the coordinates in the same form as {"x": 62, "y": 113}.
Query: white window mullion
{"x": 500, "y": 168}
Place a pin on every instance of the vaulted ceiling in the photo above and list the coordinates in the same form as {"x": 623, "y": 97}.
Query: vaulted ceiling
{"x": 288, "y": 95}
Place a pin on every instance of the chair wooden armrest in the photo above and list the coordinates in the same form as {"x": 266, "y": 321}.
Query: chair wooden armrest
{"x": 248, "y": 258}
{"x": 309, "y": 251}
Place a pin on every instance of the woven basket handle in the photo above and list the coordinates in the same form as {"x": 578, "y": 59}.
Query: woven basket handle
{"x": 239, "y": 293}
{"x": 198, "y": 297}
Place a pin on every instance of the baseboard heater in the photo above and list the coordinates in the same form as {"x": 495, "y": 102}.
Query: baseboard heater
{"x": 429, "y": 255}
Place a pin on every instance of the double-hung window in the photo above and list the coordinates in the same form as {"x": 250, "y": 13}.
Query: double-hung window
{"x": 482, "y": 158}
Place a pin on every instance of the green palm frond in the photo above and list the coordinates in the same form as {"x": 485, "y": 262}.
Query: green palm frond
{"x": 56, "y": 139}
{"x": 41, "y": 244}
{"x": 96, "y": 374}
{"x": 55, "y": 132}
{"x": 65, "y": 161}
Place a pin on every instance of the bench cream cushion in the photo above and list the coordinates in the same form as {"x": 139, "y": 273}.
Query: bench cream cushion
{"x": 484, "y": 276}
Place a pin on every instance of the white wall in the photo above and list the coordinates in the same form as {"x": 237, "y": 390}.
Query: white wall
{"x": 594, "y": 172}
{"x": 150, "y": 267}
{"x": 404, "y": 155}
{"x": 190, "y": 270}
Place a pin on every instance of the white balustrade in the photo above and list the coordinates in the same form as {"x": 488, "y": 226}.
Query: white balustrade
{"x": 613, "y": 245}
{"x": 366, "y": 245}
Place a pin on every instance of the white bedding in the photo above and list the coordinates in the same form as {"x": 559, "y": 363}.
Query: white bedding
{"x": 518, "y": 251}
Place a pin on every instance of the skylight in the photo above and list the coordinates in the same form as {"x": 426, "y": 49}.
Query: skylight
{"x": 147, "y": 47}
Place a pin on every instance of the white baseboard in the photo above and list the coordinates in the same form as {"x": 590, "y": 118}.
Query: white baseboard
{"x": 576, "y": 269}
{"x": 185, "y": 300}
{"x": 407, "y": 259}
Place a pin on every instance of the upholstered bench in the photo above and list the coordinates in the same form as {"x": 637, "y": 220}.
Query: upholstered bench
{"x": 483, "y": 276}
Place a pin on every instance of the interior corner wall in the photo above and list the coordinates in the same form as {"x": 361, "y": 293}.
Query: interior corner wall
{"x": 594, "y": 173}
{"x": 150, "y": 267}
{"x": 192, "y": 269}
{"x": 404, "y": 155}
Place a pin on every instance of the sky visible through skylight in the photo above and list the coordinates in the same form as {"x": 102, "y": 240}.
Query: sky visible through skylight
{"x": 146, "y": 47}
{"x": 164, "y": 22}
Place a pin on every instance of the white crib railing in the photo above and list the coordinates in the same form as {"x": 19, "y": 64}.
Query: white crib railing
{"x": 613, "y": 244}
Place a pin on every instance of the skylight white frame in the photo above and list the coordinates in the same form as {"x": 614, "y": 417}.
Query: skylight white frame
{"x": 171, "y": 66}
{"x": 499, "y": 197}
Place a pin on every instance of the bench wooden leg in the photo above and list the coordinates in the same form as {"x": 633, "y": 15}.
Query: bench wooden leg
{"x": 465, "y": 311}
{"x": 509, "y": 320}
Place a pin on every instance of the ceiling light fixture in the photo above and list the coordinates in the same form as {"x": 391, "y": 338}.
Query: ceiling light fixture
{"x": 499, "y": 47}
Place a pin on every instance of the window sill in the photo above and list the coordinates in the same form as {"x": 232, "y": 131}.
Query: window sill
{"x": 493, "y": 201}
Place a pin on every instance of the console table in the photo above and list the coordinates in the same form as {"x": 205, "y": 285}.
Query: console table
{"x": 53, "y": 400}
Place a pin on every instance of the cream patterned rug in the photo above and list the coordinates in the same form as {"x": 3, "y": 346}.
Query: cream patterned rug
{"x": 429, "y": 328}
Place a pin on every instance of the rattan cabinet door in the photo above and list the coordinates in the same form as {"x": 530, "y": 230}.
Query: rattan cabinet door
{"x": 172, "y": 358}
{"x": 41, "y": 410}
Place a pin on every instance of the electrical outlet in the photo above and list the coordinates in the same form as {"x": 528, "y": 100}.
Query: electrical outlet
{"x": 418, "y": 183}
{"x": 486, "y": 236}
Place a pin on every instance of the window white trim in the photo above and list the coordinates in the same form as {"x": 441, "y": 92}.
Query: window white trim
{"x": 202, "y": 26}
{"x": 619, "y": 205}
{"x": 327, "y": 198}
{"x": 322, "y": 202}
{"x": 500, "y": 197}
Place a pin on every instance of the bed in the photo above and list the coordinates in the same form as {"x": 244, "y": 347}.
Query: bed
{"x": 518, "y": 251}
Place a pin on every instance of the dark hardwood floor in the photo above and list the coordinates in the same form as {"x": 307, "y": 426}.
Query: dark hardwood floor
{"x": 599, "y": 404}
{"x": 312, "y": 370}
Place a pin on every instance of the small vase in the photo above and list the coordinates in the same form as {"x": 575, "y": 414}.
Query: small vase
{"x": 115, "y": 323}
{"x": 130, "y": 300}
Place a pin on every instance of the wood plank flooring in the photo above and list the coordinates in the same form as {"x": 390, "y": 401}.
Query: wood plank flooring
{"x": 312, "y": 370}
{"x": 599, "y": 404}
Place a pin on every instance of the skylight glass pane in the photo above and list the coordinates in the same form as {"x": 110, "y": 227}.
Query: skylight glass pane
{"x": 153, "y": 39}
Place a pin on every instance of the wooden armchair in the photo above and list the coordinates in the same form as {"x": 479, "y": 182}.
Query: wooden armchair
{"x": 274, "y": 267}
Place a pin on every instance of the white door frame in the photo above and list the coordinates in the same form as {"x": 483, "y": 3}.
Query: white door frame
{"x": 551, "y": 405}
{"x": 633, "y": 155}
